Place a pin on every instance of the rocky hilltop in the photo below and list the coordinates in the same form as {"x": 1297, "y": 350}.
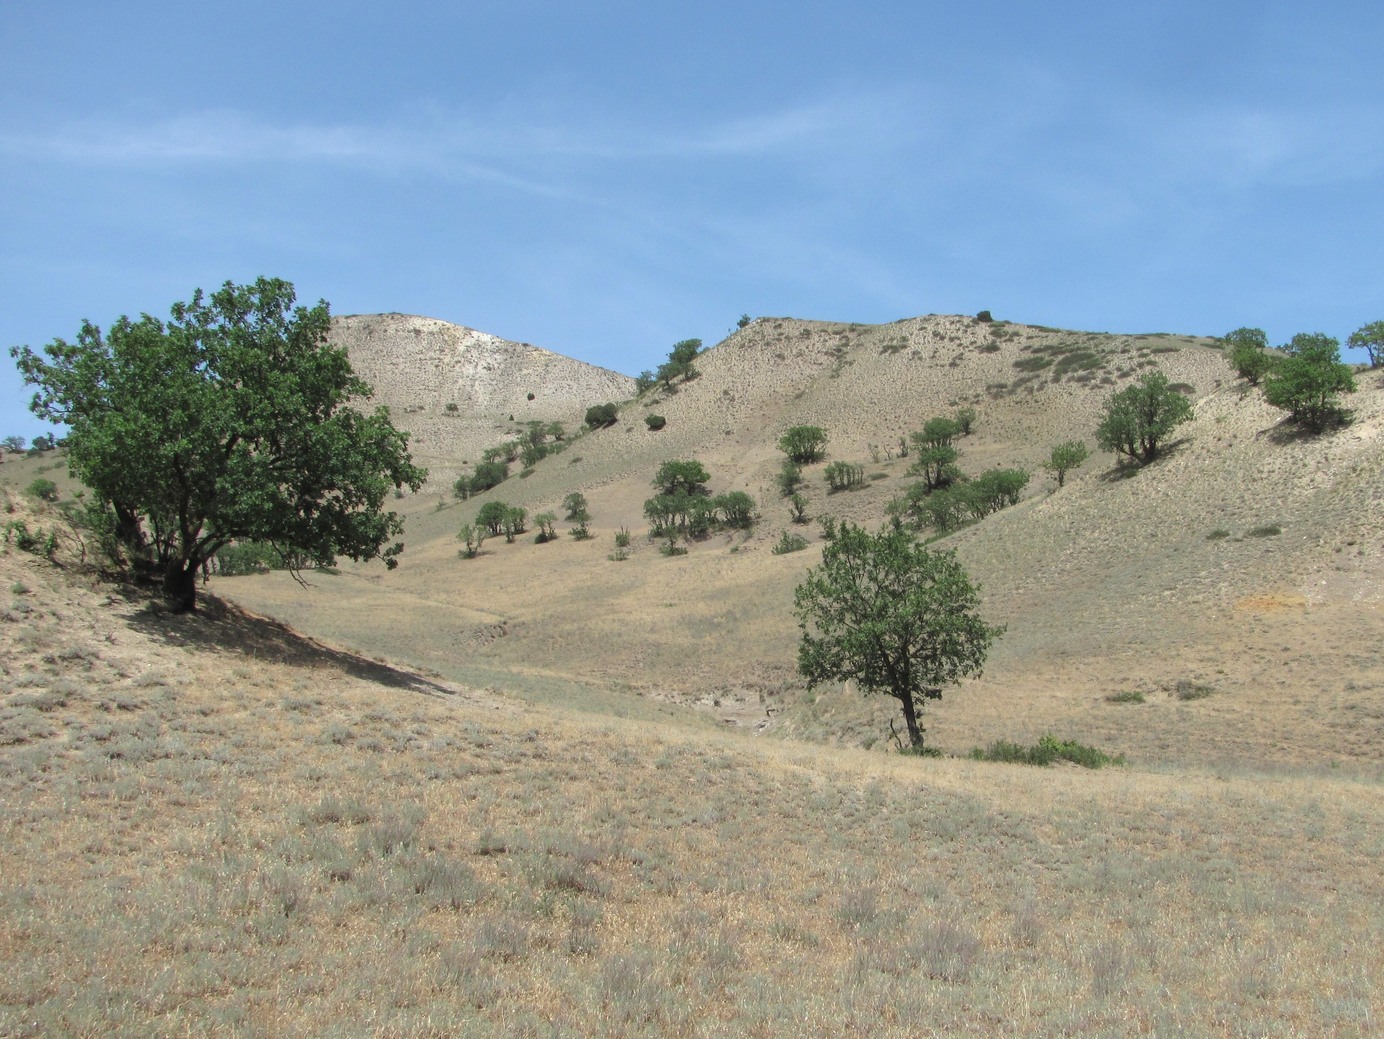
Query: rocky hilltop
{"x": 456, "y": 390}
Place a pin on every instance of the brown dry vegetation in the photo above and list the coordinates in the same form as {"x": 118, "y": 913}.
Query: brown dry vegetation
{"x": 534, "y": 818}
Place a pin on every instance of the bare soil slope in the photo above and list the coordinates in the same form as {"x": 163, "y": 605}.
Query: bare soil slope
{"x": 457, "y": 390}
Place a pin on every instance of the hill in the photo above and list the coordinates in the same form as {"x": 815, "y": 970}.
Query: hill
{"x": 1118, "y": 584}
{"x": 547, "y": 792}
{"x": 457, "y": 390}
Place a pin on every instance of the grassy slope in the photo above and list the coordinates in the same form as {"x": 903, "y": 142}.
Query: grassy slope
{"x": 1110, "y": 585}
{"x": 216, "y": 826}
{"x": 213, "y": 826}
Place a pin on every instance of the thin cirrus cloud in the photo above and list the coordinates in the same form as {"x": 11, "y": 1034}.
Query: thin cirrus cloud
{"x": 232, "y": 137}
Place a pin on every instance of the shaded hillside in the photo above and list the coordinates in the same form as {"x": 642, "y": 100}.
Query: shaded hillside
{"x": 1116, "y": 583}
{"x": 457, "y": 390}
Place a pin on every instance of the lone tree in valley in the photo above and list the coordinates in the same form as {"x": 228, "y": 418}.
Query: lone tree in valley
{"x": 1139, "y": 419}
{"x": 228, "y": 423}
{"x": 896, "y": 618}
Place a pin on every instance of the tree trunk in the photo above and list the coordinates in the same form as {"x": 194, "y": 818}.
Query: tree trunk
{"x": 180, "y": 586}
{"x": 910, "y": 716}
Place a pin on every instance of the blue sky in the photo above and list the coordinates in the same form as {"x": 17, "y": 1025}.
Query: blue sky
{"x": 605, "y": 179}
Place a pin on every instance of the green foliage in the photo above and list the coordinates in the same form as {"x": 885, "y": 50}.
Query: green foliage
{"x": 1125, "y": 696}
{"x": 789, "y": 543}
{"x": 492, "y": 516}
{"x": 1139, "y": 418}
{"x": 228, "y": 423}
{"x": 599, "y": 416}
{"x": 797, "y": 505}
{"x": 1066, "y": 457}
{"x": 546, "y": 531}
{"x": 936, "y": 464}
{"x": 966, "y": 419}
{"x": 804, "y": 444}
{"x": 243, "y": 558}
{"x": 736, "y": 508}
{"x": 679, "y": 364}
{"x": 655, "y": 422}
{"x": 744, "y": 320}
{"x": 790, "y": 474}
{"x": 43, "y": 489}
{"x": 472, "y": 536}
{"x": 896, "y": 618}
{"x": 936, "y": 432}
{"x": 1248, "y": 353}
{"x": 485, "y": 476}
{"x": 575, "y": 507}
{"x": 993, "y": 489}
{"x": 643, "y": 382}
{"x": 1308, "y": 382}
{"x": 1046, "y": 751}
{"x": 1369, "y": 338}
{"x": 842, "y": 476}
{"x": 512, "y": 523}
{"x": 689, "y": 477}
{"x": 13, "y": 444}
{"x": 38, "y": 542}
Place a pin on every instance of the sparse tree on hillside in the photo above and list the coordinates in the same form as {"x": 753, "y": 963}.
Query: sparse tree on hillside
{"x": 736, "y": 508}
{"x": 936, "y": 464}
{"x": 545, "y": 521}
{"x": 1248, "y": 354}
{"x": 937, "y": 432}
{"x": 513, "y": 522}
{"x": 966, "y": 419}
{"x": 689, "y": 477}
{"x": 804, "y": 444}
{"x": 598, "y": 416}
{"x": 1066, "y": 457}
{"x": 790, "y": 474}
{"x": 885, "y": 612}
{"x": 229, "y": 423}
{"x": 492, "y": 516}
{"x": 575, "y": 507}
{"x": 1369, "y": 338}
{"x": 1308, "y": 382}
{"x": 679, "y": 364}
{"x": 1139, "y": 419}
{"x": 472, "y": 537}
{"x": 13, "y": 444}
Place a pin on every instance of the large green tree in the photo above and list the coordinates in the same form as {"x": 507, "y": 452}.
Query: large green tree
{"x": 231, "y": 421}
{"x": 1139, "y": 419}
{"x": 896, "y": 618}
{"x": 1308, "y": 382}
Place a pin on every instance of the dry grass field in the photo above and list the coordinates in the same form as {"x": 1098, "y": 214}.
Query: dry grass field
{"x": 545, "y": 793}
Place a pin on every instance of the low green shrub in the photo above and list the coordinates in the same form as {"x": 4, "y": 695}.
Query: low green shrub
{"x": 1125, "y": 696}
{"x": 1046, "y": 751}
{"x": 789, "y": 543}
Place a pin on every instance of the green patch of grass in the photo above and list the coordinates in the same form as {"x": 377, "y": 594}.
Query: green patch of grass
{"x": 1125, "y": 696}
{"x": 1046, "y": 751}
{"x": 789, "y": 543}
{"x": 1033, "y": 364}
{"x": 1219, "y": 534}
{"x": 1267, "y": 531}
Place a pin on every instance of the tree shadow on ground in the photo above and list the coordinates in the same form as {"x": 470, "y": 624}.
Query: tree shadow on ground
{"x": 222, "y": 627}
{"x": 1287, "y": 431}
{"x": 1123, "y": 469}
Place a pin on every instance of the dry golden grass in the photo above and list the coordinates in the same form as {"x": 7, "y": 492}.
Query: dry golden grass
{"x": 213, "y": 826}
